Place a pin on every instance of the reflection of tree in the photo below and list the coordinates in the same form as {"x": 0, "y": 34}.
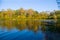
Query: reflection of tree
{"x": 43, "y": 26}
{"x": 21, "y": 25}
{"x": 8, "y": 24}
{"x": 29, "y": 24}
{"x": 33, "y": 25}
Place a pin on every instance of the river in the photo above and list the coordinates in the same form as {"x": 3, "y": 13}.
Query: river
{"x": 25, "y": 31}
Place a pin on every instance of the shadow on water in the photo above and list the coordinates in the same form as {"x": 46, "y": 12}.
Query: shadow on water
{"x": 28, "y": 30}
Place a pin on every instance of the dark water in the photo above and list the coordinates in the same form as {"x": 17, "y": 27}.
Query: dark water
{"x": 26, "y": 34}
{"x": 21, "y": 35}
{"x": 52, "y": 35}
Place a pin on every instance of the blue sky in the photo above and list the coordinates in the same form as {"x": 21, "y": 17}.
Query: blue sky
{"x": 39, "y": 5}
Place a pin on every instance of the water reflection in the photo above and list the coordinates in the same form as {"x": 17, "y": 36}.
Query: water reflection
{"x": 21, "y": 24}
{"x": 32, "y": 25}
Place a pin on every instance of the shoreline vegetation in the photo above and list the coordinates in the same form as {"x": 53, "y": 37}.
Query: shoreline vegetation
{"x": 31, "y": 19}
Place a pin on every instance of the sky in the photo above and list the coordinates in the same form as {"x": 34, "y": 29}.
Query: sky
{"x": 39, "y": 5}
